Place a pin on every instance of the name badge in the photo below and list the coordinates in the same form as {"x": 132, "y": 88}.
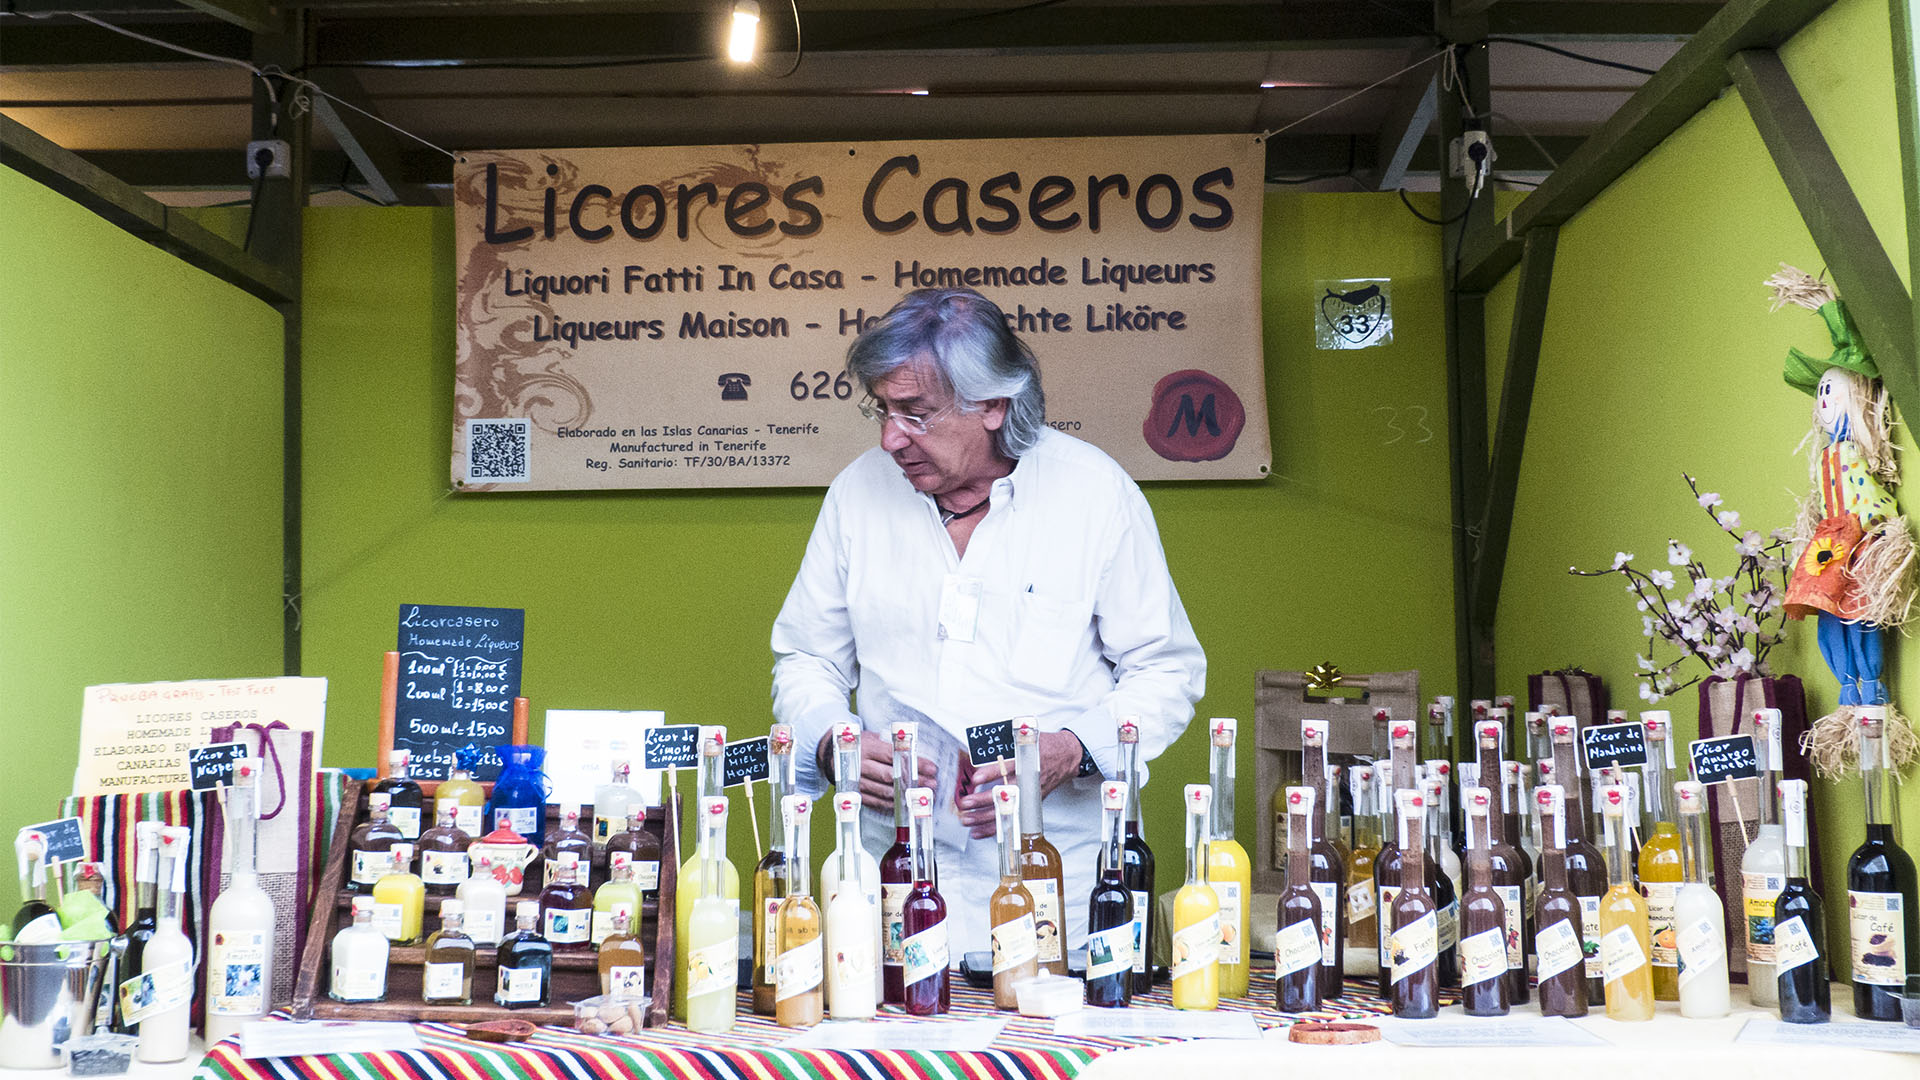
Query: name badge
{"x": 959, "y": 607}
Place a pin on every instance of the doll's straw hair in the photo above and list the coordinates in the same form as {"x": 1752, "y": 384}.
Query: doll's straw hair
{"x": 1791, "y": 285}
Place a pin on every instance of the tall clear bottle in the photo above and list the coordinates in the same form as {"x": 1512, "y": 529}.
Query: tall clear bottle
{"x": 770, "y": 876}
{"x": 1799, "y": 923}
{"x": 1586, "y": 863}
{"x": 1298, "y": 955}
{"x": 1883, "y": 912}
{"x": 1138, "y": 856}
{"x": 896, "y": 864}
{"x": 1624, "y": 940}
{"x": 1196, "y": 914}
{"x": 1363, "y": 924}
{"x": 1438, "y": 781}
{"x": 712, "y": 941}
{"x": 1015, "y": 937}
{"x": 614, "y": 802}
{"x": 1040, "y": 864}
{"x": 1415, "y": 943}
{"x": 1700, "y": 919}
{"x": 851, "y": 863}
{"x": 711, "y": 784}
{"x": 1557, "y": 927}
{"x": 1660, "y": 858}
{"x": 1110, "y": 911}
{"x": 799, "y": 965}
{"x": 1763, "y": 866}
{"x": 1509, "y": 874}
{"x": 240, "y": 930}
{"x": 1326, "y": 860}
{"x": 1230, "y": 872}
{"x": 166, "y": 980}
{"x": 1483, "y": 916}
{"x": 1445, "y": 897}
{"x": 924, "y": 950}
{"x": 146, "y": 906}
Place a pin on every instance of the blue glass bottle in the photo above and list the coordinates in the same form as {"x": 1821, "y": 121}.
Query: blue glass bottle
{"x": 521, "y": 793}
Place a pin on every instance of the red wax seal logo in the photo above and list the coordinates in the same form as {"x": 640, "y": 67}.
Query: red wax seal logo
{"x": 1194, "y": 417}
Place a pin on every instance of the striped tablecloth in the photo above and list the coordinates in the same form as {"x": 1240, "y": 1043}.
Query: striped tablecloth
{"x": 1026, "y": 1050}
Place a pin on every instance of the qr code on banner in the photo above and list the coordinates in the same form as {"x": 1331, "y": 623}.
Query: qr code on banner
{"x": 498, "y": 451}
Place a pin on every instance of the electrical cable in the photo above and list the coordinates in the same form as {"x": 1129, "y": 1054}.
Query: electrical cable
{"x": 1443, "y": 223}
{"x": 1570, "y": 54}
{"x": 798, "y": 50}
{"x": 261, "y": 159}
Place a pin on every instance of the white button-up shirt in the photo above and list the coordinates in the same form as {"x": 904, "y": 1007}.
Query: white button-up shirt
{"x": 1078, "y": 623}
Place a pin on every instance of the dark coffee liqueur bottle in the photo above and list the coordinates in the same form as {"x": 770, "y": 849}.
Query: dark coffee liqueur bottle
{"x": 1415, "y": 943}
{"x": 1483, "y": 917}
{"x": 1509, "y": 876}
{"x": 1298, "y": 952}
{"x": 1800, "y": 958}
{"x": 1137, "y": 872}
{"x": 1110, "y": 911}
{"x": 1883, "y": 913}
{"x": 1401, "y": 736}
{"x": 1557, "y": 934}
{"x": 1586, "y": 866}
{"x": 1326, "y": 861}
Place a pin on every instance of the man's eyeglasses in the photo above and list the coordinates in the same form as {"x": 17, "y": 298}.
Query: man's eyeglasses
{"x": 906, "y": 422}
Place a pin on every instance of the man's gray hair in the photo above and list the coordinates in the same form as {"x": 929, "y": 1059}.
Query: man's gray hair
{"x": 976, "y": 358}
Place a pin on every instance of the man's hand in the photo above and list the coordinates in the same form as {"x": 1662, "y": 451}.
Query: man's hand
{"x": 876, "y": 769}
{"x": 1059, "y": 762}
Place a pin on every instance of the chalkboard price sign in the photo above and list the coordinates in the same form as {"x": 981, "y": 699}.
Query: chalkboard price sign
{"x": 65, "y": 842}
{"x": 1730, "y": 757}
{"x": 745, "y": 762}
{"x": 1614, "y": 745}
{"x": 990, "y": 742}
{"x": 459, "y": 674}
{"x": 211, "y": 766}
{"x": 674, "y": 747}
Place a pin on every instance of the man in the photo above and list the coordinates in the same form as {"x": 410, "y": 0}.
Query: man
{"x": 979, "y": 566}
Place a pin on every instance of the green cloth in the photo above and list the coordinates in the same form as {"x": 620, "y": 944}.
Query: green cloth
{"x": 1803, "y": 372}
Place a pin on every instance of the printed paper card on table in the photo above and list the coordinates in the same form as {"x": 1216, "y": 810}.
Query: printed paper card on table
{"x": 135, "y": 736}
{"x": 580, "y": 751}
{"x": 459, "y": 674}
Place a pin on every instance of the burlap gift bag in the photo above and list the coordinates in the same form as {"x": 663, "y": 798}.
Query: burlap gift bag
{"x": 284, "y": 844}
{"x": 1571, "y": 691}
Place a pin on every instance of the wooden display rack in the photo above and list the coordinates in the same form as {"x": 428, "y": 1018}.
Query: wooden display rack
{"x": 576, "y": 976}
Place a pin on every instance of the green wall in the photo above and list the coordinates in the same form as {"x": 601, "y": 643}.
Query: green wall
{"x": 665, "y": 599}
{"x": 140, "y": 515}
{"x": 1660, "y": 356}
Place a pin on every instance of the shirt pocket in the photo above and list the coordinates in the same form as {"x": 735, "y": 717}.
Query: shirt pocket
{"x": 1049, "y": 638}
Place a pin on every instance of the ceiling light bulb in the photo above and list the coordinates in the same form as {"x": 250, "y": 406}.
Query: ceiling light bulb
{"x": 744, "y": 39}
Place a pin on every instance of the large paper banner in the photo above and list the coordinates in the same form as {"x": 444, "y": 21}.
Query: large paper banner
{"x": 135, "y": 736}
{"x": 677, "y": 317}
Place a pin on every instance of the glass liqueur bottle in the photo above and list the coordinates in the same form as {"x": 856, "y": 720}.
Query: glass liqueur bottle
{"x": 1110, "y": 911}
{"x": 770, "y": 876}
{"x": 1138, "y": 872}
{"x": 168, "y": 959}
{"x": 1624, "y": 944}
{"x": 240, "y": 930}
{"x": 1763, "y": 866}
{"x": 712, "y": 941}
{"x": 443, "y": 852}
{"x": 1586, "y": 864}
{"x": 403, "y": 794}
{"x": 1196, "y": 914}
{"x": 617, "y": 897}
{"x": 1557, "y": 926}
{"x": 1386, "y": 865}
{"x": 1699, "y": 918}
{"x": 623, "y": 959}
{"x": 853, "y": 918}
{"x": 1483, "y": 917}
{"x": 360, "y": 956}
{"x": 566, "y": 908}
{"x": 146, "y": 900}
{"x": 525, "y": 975}
{"x": 1326, "y": 861}
{"x": 1799, "y": 923}
{"x": 1415, "y": 942}
{"x": 372, "y": 846}
{"x": 1298, "y": 955}
{"x": 1509, "y": 874}
{"x": 614, "y": 803}
{"x": 1660, "y": 859}
{"x": 566, "y": 840}
{"x": 642, "y": 849}
{"x": 711, "y": 785}
{"x": 485, "y": 901}
{"x": 1016, "y": 944}
{"x": 1445, "y": 896}
{"x": 1231, "y": 871}
{"x": 1040, "y": 864}
{"x": 924, "y": 953}
{"x": 799, "y": 957}
{"x": 462, "y": 792}
{"x": 896, "y": 864}
{"x": 447, "y": 974}
{"x": 1438, "y": 791}
{"x": 1883, "y": 922}
{"x": 1363, "y": 925}
{"x": 399, "y": 898}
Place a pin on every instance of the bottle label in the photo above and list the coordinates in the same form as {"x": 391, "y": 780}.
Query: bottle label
{"x": 1792, "y": 945}
{"x": 1516, "y": 923}
{"x": 567, "y": 926}
{"x": 465, "y": 818}
{"x": 1110, "y": 951}
{"x": 852, "y": 950}
{"x": 1387, "y": 894}
{"x": 1660, "y": 902}
{"x": 893, "y": 897}
{"x": 924, "y": 955}
{"x": 1590, "y": 936}
{"x": 1878, "y": 937}
{"x": 356, "y": 982}
{"x": 524, "y": 820}
{"x": 1046, "y": 918}
{"x": 390, "y": 919}
{"x": 1014, "y": 943}
{"x": 370, "y": 866}
{"x": 1233, "y": 942}
{"x": 1758, "y": 892}
{"x": 603, "y": 922}
{"x": 1449, "y": 926}
{"x": 1296, "y": 948}
{"x": 1329, "y": 893}
{"x": 159, "y": 990}
{"x": 1196, "y": 945}
{"x": 628, "y": 979}
{"x": 1140, "y": 901}
{"x": 1415, "y": 946}
{"x": 1360, "y": 902}
{"x": 769, "y": 939}
{"x": 1483, "y": 956}
{"x": 443, "y": 982}
{"x": 236, "y": 974}
{"x": 444, "y": 867}
{"x": 646, "y": 876}
{"x": 518, "y": 986}
{"x": 606, "y": 828}
{"x": 1701, "y": 946}
{"x": 1620, "y": 953}
{"x": 1559, "y": 949}
{"x": 799, "y": 970}
{"x": 483, "y": 926}
{"x": 406, "y": 819}
{"x": 714, "y": 969}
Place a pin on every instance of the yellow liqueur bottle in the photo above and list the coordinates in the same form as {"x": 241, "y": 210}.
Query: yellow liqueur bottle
{"x": 1363, "y": 937}
{"x": 1229, "y": 870}
{"x": 800, "y": 958}
{"x": 770, "y": 876}
{"x": 1040, "y": 865}
{"x": 1660, "y": 857}
{"x": 1624, "y": 941}
{"x": 711, "y": 784}
{"x": 1196, "y": 915}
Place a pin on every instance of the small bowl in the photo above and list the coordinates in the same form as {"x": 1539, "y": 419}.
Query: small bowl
{"x": 1049, "y": 995}
{"x": 611, "y": 1014}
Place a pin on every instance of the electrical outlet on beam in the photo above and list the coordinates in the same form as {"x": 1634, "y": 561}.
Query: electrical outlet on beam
{"x": 269, "y": 156}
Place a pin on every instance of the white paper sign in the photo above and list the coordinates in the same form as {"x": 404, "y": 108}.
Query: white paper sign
{"x": 277, "y": 1038}
{"x": 1490, "y": 1031}
{"x": 958, "y": 1035}
{"x": 579, "y": 752}
{"x": 135, "y": 736}
{"x": 1155, "y": 1024}
{"x": 1893, "y": 1038}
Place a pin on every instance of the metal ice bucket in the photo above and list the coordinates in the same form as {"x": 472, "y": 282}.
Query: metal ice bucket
{"x": 47, "y": 995}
